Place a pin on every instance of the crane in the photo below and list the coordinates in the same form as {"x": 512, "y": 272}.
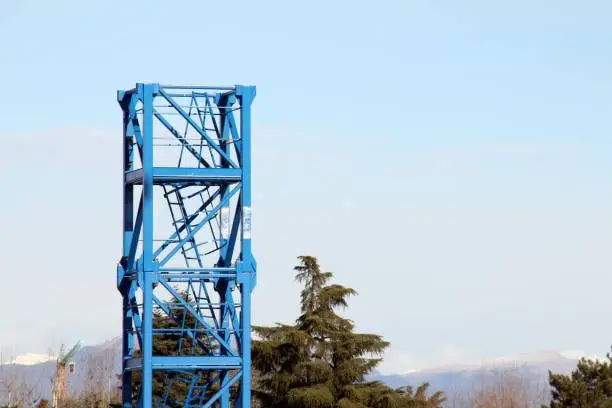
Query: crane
{"x": 64, "y": 364}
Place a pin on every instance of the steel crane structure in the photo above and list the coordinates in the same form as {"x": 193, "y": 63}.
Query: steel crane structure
{"x": 187, "y": 272}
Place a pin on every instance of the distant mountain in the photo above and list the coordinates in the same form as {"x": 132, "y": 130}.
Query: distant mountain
{"x": 102, "y": 362}
{"x": 33, "y": 373}
{"x": 527, "y": 374}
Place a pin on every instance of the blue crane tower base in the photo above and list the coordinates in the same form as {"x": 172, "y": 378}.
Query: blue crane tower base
{"x": 186, "y": 272}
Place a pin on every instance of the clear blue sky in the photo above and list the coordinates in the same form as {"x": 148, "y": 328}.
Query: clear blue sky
{"x": 450, "y": 160}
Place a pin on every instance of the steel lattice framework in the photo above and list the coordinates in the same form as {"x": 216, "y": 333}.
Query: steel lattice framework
{"x": 186, "y": 273}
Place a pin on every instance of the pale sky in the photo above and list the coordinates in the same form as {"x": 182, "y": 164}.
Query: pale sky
{"x": 449, "y": 160}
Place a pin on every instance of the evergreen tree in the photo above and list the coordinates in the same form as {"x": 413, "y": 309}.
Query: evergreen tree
{"x": 588, "y": 386}
{"x": 320, "y": 362}
{"x": 172, "y": 340}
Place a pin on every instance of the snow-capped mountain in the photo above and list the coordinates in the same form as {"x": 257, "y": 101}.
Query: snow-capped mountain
{"x": 527, "y": 372}
{"x": 31, "y": 359}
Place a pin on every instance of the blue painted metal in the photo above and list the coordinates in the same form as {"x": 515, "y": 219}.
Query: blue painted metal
{"x": 186, "y": 257}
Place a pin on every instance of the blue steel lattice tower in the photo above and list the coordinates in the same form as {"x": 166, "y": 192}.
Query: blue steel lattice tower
{"x": 186, "y": 273}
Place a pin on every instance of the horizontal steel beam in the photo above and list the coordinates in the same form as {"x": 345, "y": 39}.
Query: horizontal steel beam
{"x": 221, "y": 88}
{"x": 163, "y": 175}
{"x": 189, "y": 277}
{"x": 189, "y": 274}
{"x": 199, "y": 270}
{"x": 186, "y": 276}
{"x": 187, "y": 362}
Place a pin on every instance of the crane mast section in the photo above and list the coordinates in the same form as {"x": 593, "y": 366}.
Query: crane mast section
{"x": 186, "y": 272}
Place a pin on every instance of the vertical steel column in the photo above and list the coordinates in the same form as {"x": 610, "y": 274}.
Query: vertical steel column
{"x": 128, "y": 229}
{"x": 224, "y": 102}
{"x": 146, "y": 95}
{"x": 247, "y": 266}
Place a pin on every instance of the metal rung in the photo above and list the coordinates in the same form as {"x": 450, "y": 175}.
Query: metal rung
{"x": 181, "y": 362}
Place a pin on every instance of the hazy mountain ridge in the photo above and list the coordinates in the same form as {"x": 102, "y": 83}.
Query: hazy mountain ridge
{"x": 525, "y": 373}
{"x": 104, "y": 361}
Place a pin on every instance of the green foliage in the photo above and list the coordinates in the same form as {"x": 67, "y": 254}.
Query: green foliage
{"x": 320, "y": 362}
{"x": 174, "y": 342}
{"x": 588, "y": 386}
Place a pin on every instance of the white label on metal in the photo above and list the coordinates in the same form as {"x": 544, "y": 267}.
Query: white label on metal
{"x": 246, "y": 223}
{"x": 225, "y": 222}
